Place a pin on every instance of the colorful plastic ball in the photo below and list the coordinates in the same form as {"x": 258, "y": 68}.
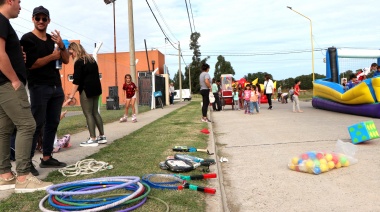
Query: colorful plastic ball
{"x": 311, "y": 155}
{"x": 304, "y": 156}
{"x": 328, "y": 157}
{"x": 323, "y": 161}
{"x": 316, "y": 163}
{"x": 335, "y": 158}
{"x": 324, "y": 167}
{"x": 338, "y": 165}
{"x": 317, "y": 170}
{"x": 292, "y": 166}
{"x": 309, "y": 164}
{"x": 319, "y": 156}
{"x": 297, "y": 168}
{"x": 331, "y": 164}
{"x": 300, "y": 161}
{"x": 342, "y": 160}
{"x": 295, "y": 160}
{"x": 302, "y": 168}
{"x": 346, "y": 164}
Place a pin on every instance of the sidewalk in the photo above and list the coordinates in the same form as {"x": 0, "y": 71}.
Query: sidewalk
{"x": 113, "y": 131}
{"x": 259, "y": 147}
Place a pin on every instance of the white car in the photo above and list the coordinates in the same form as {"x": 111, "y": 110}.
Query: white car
{"x": 186, "y": 95}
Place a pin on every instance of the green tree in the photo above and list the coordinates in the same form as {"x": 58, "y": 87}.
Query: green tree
{"x": 176, "y": 80}
{"x": 252, "y": 76}
{"x": 195, "y": 66}
{"x": 222, "y": 67}
{"x": 307, "y": 80}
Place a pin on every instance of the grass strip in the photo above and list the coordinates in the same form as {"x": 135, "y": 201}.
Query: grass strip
{"x": 140, "y": 153}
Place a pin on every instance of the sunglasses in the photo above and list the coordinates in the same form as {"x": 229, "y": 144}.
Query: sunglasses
{"x": 38, "y": 19}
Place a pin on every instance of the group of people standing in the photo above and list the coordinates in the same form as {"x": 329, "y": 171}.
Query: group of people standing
{"x": 31, "y": 61}
{"x": 247, "y": 98}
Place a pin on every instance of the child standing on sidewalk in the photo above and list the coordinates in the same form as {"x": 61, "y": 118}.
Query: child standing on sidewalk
{"x": 235, "y": 95}
{"x": 247, "y": 97}
{"x": 254, "y": 100}
{"x": 130, "y": 90}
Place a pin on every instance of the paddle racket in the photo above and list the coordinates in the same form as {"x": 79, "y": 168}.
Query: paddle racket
{"x": 177, "y": 182}
{"x": 203, "y": 162}
{"x": 190, "y": 149}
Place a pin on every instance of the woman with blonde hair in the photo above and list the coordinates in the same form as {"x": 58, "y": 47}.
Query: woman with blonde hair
{"x": 87, "y": 82}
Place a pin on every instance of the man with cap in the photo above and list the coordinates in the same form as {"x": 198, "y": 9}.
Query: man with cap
{"x": 44, "y": 83}
{"x": 14, "y": 107}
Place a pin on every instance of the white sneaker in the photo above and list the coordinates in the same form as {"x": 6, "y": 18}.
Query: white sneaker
{"x": 123, "y": 119}
{"x": 89, "y": 142}
{"x": 101, "y": 139}
{"x": 134, "y": 119}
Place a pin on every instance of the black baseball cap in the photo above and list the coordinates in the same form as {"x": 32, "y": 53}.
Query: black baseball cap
{"x": 39, "y": 10}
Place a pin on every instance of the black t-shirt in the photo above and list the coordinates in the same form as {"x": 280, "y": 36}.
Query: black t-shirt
{"x": 36, "y": 48}
{"x": 86, "y": 76}
{"x": 13, "y": 50}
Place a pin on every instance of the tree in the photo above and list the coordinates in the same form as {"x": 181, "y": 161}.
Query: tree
{"x": 253, "y": 76}
{"x": 195, "y": 66}
{"x": 222, "y": 67}
{"x": 176, "y": 80}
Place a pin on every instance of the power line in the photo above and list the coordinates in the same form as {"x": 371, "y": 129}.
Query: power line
{"x": 159, "y": 12}
{"x": 160, "y": 25}
{"x": 258, "y": 54}
{"x": 192, "y": 15}
{"x": 187, "y": 9}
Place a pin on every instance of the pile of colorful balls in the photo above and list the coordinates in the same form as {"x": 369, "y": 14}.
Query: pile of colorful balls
{"x": 314, "y": 162}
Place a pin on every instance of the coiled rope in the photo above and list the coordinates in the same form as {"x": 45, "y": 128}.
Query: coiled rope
{"x": 83, "y": 167}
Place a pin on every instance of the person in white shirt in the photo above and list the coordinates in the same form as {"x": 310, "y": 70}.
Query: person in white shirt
{"x": 268, "y": 90}
{"x": 171, "y": 93}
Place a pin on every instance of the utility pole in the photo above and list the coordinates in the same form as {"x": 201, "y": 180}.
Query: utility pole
{"x": 179, "y": 72}
{"x": 190, "y": 78}
{"x": 132, "y": 49}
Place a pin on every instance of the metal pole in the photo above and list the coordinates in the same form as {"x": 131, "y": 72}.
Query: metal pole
{"x": 311, "y": 38}
{"x": 190, "y": 79}
{"x": 179, "y": 72}
{"x": 132, "y": 49}
{"x": 114, "y": 42}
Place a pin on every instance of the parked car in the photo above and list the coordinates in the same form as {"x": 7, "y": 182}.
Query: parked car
{"x": 186, "y": 95}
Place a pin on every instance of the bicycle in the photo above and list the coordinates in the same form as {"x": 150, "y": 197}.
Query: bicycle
{"x": 158, "y": 95}
{"x": 73, "y": 100}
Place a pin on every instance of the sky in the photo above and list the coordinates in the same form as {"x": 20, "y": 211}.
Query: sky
{"x": 254, "y": 35}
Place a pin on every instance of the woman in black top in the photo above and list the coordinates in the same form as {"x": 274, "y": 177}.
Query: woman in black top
{"x": 87, "y": 82}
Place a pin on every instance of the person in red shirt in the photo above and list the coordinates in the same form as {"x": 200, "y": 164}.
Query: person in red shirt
{"x": 130, "y": 90}
{"x": 296, "y": 101}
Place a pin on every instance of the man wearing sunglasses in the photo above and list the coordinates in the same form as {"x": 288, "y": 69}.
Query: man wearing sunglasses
{"x": 44, "y": 83}
{"x": 14, "y": 107}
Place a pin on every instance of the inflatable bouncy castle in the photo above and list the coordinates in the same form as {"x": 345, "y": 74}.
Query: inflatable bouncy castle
{"x": 363, "y": 99}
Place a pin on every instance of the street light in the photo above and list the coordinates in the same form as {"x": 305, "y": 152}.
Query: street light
{"x": 311, "y": 38}
{"x": 114, "y": 36}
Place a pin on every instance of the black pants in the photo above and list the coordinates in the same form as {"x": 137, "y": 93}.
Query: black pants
{"x": 216, "y": 105}
{"x": 46, "y": 102}
{"x": 269, "y": 97}
{"x": 205, "y": 101}
{"x": 171, "y": 98}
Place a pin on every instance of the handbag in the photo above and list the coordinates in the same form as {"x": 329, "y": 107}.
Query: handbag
{"x": 211, "y": 97}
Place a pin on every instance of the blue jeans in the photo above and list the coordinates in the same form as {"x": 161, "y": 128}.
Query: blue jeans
{"x": 46, "y": 102}
{"x": 254, "y": 105}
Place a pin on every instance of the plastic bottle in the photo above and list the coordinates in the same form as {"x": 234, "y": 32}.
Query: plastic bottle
{"x": 58, "y": 63}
